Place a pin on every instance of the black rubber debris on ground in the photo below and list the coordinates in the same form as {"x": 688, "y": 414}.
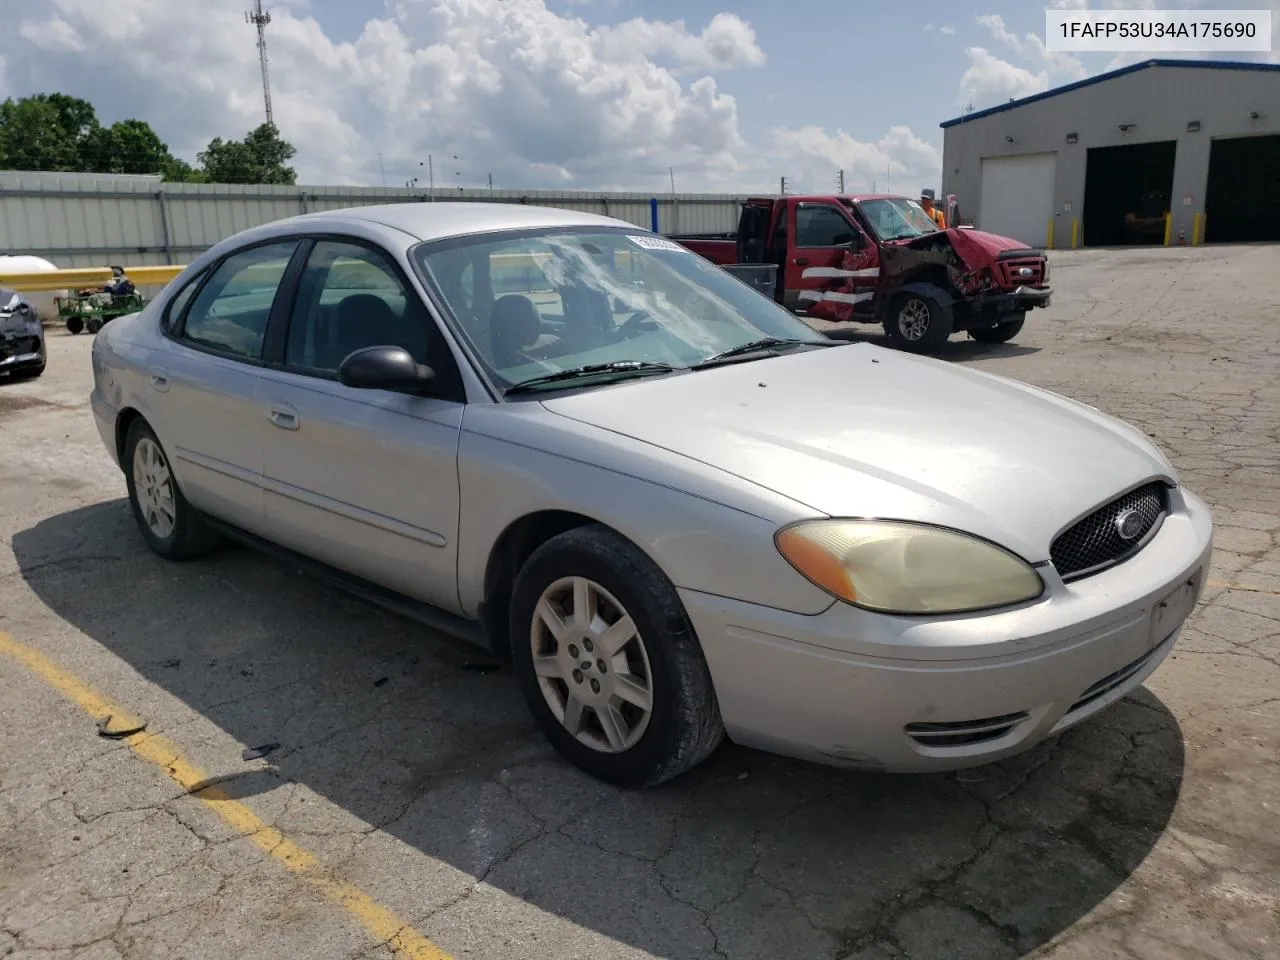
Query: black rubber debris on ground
{"x": 105, "y": 723}
{"x": 255, "y": 753}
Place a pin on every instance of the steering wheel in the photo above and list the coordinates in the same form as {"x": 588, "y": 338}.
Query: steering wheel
{"x": 634, "y": 325}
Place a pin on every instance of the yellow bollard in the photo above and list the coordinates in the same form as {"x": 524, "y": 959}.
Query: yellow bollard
{"x": 1168, "y": 227}
{"x": 1075, "y": 233}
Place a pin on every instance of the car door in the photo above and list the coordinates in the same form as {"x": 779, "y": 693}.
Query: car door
{"x": 364, "y": 480}
{"x": 833, "y": 264}
{"x": 203, "y": 384}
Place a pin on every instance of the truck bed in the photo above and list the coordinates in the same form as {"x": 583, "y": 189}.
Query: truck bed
{"x": 719, "y": 248}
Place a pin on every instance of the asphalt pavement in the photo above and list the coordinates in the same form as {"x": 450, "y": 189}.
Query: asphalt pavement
{"x": 403, "y": 805}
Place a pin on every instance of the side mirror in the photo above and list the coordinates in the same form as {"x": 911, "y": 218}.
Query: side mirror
{"x": 384, "y": 368}
{"x": 855, "y": 242}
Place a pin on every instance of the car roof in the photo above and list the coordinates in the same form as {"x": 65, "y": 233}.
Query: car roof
{"x": 450, "y": 218}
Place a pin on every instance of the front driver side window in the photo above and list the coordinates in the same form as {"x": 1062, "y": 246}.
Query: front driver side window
{"x": 349, "y": 298}
{"x": 821, "y": 225}
{"x": 230, "y": 313}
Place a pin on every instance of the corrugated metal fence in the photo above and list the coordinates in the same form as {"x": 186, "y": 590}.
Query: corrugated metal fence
{"x": 84, "y": 222}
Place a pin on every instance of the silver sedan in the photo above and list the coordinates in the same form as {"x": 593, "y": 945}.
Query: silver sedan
{"x": 679, "y": 511}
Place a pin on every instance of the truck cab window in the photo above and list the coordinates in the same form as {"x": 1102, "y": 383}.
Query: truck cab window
{"x": 822, "y": 225}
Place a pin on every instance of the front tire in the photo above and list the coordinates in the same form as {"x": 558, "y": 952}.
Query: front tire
{"x": 608, "y": 662}
{"x": 75, "y": 324}
{"x": 169, "y": 524}
{"x": 917, "y": 323}
{"x": 1001, "y": 332}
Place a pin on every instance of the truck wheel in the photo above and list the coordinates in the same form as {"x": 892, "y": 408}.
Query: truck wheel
{"x": 917, "y": 323}
{"x": 74, "y": 324}
{"x": 1001, "y": 332}
{"x": 94, "y": 324}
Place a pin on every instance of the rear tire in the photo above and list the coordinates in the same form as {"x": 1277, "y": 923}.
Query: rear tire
{"x": 917, "y": 323}
{"x": 93, "y": 324}
{"x": 75, "y": 324}
{"x": 608, "y": 662}
{"x": 169, "y": 524}
{"x": 1001, "y": 332}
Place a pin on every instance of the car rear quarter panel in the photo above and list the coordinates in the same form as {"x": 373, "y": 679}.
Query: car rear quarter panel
{"x": 706, "y": 530}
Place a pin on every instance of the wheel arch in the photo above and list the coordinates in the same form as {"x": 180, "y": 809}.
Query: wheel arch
{"x": 514, "y": 546}
{"x": 124, "y": 420}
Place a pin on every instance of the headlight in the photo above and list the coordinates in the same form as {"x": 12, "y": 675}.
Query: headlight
{"x": 906, "y": 568}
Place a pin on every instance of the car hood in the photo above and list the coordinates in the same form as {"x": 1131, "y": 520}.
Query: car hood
{"x": 861, "y": 431}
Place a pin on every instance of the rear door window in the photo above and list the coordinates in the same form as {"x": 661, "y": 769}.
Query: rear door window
{"x": 229, "y": 314}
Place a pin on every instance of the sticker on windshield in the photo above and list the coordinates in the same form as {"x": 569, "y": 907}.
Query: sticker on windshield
{"x": 656, "y": 243}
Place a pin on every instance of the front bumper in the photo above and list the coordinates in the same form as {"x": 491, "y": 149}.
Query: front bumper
{"x": 851, "y": 688}
{"x": 21, "y": 352}
{"x": 1013, "y": 301}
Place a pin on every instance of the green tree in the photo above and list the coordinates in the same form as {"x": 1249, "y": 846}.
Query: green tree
{"x": 261, "y": 157}
{"x": 44, "y": 132}
{"x": 179, "y": 171}
{"x": 129, "y": 146}
{"x": 55, "y": 132}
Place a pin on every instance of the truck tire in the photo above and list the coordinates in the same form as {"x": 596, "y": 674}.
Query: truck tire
{"x": 917, "y": 323}
{"x": 75, "y": 324}
{"x": 1001, "y": 332}
{"x": 93, "y": 324}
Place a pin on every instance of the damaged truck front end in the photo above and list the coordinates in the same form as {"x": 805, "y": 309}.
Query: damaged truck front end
{"x": 959, "y": 280}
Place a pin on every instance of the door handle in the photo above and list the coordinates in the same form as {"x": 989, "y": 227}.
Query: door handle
{"x": 159, "y": 380}
{"x": 802, "y": 261}
{"x": 283, "y": 416}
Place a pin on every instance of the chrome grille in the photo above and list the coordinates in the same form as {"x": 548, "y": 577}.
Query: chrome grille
{"x": 1094, "y": 543}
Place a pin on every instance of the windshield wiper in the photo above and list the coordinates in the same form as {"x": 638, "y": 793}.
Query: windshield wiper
{"x": 624, "y": 367}
{"x": 754, "y": 346}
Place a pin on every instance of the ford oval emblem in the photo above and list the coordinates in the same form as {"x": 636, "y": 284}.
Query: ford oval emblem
{"x": 1025, "y": 271}
{"x": 1129, "y": 524}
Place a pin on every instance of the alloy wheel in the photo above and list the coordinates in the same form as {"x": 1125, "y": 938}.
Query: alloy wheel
{"x": 913, "y": 319}
{"x": 153, "y": 486}
{"x": 591, "y": 665}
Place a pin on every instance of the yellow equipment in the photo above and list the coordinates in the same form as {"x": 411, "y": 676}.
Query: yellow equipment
{"x": 77, "y": 278}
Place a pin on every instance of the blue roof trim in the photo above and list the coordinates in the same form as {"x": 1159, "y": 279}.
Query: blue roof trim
{"x": 1089, "y": 81}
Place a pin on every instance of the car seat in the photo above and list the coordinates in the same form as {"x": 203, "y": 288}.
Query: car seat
{"x": 587, "y": 317}
{"x": 363, "y": 320}
{"x": 514, "y": 324}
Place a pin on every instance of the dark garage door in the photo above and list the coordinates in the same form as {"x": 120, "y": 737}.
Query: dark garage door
{"x": 1127, "y": 192}
{"x": 1241, "y": 201}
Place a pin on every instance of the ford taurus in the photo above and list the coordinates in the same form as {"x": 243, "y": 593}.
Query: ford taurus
{"x": 678, "y": 510}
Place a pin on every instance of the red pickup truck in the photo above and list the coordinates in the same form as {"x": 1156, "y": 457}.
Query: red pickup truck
{"x": 877, "y": 258}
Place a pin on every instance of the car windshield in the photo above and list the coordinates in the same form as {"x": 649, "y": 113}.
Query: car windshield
{"x": 897, "y": 218}
{"x": 9, "y": 299}
{"x": 536, "y": 303}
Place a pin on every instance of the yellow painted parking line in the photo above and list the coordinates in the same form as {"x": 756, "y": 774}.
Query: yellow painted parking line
{"x": 377, "y": 920}
{"x": 1240, "y": 586}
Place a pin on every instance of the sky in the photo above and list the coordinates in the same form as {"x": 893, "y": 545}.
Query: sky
{"x": 563, "y": 94}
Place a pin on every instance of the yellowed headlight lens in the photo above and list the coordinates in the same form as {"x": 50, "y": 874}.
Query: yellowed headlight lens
{"x": 907, "y": 568}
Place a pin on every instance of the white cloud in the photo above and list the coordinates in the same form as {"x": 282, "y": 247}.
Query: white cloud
{"x": 534, "y": 96}
{"x": 811, "y": 157}
{"x": 726, "y": 43}
{"x": 54, "y": 35}
{"x": 947, "y": 29}
{"x": 512, "y": 88}
{"x": 1030, "y": 47}
{"x": 989, "y": 80}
